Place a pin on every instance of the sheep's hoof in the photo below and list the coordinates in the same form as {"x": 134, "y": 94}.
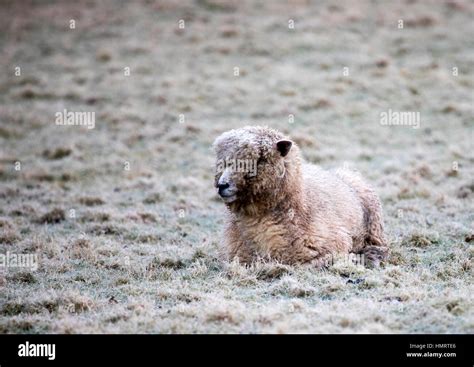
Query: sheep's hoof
{"x": 374, "y": 255}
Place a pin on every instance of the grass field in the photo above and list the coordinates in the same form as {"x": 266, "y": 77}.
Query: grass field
{"x": 124, "y": 219}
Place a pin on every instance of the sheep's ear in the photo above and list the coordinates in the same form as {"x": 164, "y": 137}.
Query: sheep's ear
{"x": 284, "y": 146}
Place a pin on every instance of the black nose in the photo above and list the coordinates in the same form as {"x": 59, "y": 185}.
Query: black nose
{"x": 222, "y": 187}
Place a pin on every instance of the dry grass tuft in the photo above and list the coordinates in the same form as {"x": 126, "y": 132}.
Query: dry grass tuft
{"x": 54, "y": 216}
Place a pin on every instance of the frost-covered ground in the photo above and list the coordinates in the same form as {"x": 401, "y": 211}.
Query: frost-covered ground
{"x": 123, "y": 218}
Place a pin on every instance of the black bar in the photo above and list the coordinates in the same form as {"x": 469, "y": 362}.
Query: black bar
{"x": 320, "y": 350}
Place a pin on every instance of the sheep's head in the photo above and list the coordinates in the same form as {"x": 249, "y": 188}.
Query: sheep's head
{"x": 251, "y": 164}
